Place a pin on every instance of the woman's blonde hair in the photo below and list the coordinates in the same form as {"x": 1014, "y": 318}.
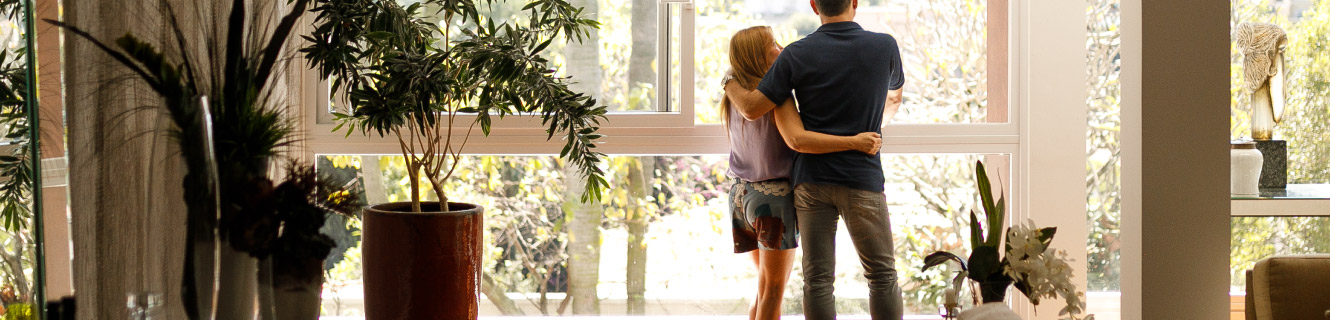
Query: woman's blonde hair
{"x": 748, "y": 61}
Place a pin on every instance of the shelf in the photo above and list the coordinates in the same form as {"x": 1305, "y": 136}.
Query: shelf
{"x": 1295, "y": 200}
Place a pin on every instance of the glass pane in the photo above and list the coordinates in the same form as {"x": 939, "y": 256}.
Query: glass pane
{"x": 943, "y": 43}
{"x": 1256, "y": 238}
{"x": 1103, "y": 161}
{"x": 21, "y": 282}
{"x": 617, "y": 63}
{"x": 690, "y": 265}
{"x": 1103, "y": 166}
{"x": 1304, "y": 120}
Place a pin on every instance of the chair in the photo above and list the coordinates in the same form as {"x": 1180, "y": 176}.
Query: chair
{"x": 1289, "y": 287}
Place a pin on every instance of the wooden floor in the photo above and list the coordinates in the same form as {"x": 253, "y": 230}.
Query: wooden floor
{"x": 1237, "y": 304}
{"x": 695, "y": 318}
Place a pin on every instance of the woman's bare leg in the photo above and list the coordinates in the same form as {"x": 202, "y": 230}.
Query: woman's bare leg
{"x": 773, "y": 271}
{"x": 757, "y": 263}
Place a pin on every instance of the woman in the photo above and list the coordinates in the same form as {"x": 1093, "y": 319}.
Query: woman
{"x": 761, "y": 200}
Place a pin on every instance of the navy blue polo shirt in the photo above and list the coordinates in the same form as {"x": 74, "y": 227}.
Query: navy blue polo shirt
{"x": 840, "y": 76}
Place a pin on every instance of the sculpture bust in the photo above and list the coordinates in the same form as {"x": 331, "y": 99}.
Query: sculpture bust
{"x": 1262, "y": 45}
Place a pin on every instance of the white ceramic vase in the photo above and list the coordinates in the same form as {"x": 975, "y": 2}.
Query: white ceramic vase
{"x": 237, "y": 284}
{"x": 990, "y": 311}
{"x": 1245, "y": 169}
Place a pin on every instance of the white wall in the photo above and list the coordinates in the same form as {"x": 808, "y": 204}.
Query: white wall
{"x": 1175, "y": 218}
{"x": 1052, "y": 70}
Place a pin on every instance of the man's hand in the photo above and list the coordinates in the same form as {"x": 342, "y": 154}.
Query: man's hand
{"x": 868, "y": 142}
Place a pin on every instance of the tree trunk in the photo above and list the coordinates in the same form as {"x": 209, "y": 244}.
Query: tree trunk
{"x": 583, "y": 245}
{"x": 641, "y": 75}
{"x": 639, "y": 181}
{"x": 585, "y": 218}
{"x": 640, "y": 71}
{"x": 584, "y": 58}
{"x": 497, "y": 295}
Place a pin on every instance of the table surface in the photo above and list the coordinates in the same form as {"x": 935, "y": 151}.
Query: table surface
{"x": 1295, "y": 200}
{"x": 1293, "y": 192}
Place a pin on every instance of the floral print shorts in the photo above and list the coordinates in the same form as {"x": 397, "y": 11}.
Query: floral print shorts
{"x": 762, "y": 214}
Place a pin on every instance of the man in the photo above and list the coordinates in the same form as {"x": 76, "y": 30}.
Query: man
{"x": 846, "y": 80}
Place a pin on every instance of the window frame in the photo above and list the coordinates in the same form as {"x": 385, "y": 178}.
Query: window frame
{"x": 675, "y": 132}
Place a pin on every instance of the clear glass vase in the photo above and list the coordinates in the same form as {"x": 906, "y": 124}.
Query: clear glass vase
{"x": 143, "y": 305}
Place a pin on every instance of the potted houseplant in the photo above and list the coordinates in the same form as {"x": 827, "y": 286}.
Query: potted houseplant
{"x": 429, "y": 86}
{"x": 1024, "y": 260}
{"x": 230, "y": 129}
{"x": 302, "y": 203}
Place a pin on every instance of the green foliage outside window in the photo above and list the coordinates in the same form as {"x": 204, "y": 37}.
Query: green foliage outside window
{"x": 1104, "y": 171}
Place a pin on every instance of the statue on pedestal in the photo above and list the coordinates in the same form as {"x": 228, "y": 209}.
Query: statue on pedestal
{"x": 1262, "y": 45}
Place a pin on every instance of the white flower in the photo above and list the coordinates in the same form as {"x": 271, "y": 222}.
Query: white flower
{"x": 1046, "y": 273}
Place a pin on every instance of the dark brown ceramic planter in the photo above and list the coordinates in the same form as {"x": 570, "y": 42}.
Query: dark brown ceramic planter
{"x": 422, "y": 265}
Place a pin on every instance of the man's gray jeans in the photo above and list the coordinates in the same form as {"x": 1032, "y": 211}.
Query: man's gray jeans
{"x": 819, "y": 207}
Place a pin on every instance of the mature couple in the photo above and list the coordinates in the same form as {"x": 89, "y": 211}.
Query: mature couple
{"x": 801, "y": 170}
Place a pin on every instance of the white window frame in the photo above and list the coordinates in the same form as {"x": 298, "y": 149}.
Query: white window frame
{"x": 667, "y": 132}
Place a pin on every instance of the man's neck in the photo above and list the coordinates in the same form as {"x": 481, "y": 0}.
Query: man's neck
{"x": 840, "y": 18}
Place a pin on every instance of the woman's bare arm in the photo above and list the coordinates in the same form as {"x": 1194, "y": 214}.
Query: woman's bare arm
{"x": 893, "y": 105}
{"x": 804, "y": 141}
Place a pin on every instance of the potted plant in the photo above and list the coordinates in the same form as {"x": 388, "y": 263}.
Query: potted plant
{"x": 302, "y": 203}
{"x": 230, "y": 130}
{"x": 1025, "y": 261}
{"x": 428, "y": 86}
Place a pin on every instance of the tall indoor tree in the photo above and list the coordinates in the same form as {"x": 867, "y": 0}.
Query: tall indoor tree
{"x": 429, "y": 85}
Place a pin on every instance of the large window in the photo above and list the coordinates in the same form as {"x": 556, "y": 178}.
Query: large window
{"x": 684, "y": 199}
{"x": 657, "y": 64}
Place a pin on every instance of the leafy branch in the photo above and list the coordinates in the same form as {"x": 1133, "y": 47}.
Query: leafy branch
{"x": 408, "y": 78}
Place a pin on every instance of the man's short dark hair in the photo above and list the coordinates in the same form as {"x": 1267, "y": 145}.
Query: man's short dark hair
{"x": 832, "y": 8}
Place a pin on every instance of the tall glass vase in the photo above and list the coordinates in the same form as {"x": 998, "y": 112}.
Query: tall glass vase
{"x": 202, "y": 254}
{"x": 994, "y": 291}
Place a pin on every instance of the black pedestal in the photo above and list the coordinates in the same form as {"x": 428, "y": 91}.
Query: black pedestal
{"x": 1274, "y": 170}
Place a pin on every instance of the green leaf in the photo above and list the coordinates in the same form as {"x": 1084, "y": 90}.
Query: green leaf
{"x": 984, "y": 263}
{"x": 542, "y": 46}
{"x": 1046, "y": 235}
{"x": 995, "y": 225}
{"x": 380, "y": 35}
{"x": 976, "y": 231}
{"x": 985, "y": 189}
{"x": 941, "y": 257}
